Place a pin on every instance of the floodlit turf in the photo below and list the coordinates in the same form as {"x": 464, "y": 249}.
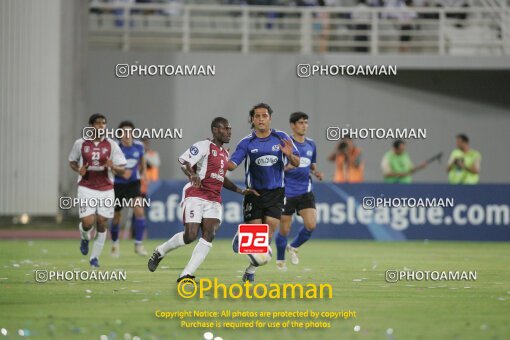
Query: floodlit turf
{"x": 413, "y": 310}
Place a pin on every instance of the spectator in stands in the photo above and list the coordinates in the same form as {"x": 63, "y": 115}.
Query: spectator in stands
{"x": 375, "y": 3}
{"x": 173, "y": 8}
{"x": 153, "y": 162}
{"x": 425, "y": 4}
{"x": 350, "y": 166}
{"x": 119, "y": 12}
{"x": 361, "y": 18}
{"x": 322, "y": 27}
{"x": 270, "y": 16}
{"x": 308, "y": 3}
{"x": 321, "y": 22}
{"x": 460, "y": 16}
{"x": 464, "y": 163}
{"x": 404, "y": 15}
{"x": 397, "y": 166}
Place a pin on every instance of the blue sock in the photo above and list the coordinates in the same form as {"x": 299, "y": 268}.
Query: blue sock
{"x": 114, "y": 230}
{"x": 139, "y": 228}
{"x": 303, "y": 236}
{"x": 281, "y": 244}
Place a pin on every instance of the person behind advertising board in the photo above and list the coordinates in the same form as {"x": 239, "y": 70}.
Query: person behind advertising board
{"x": 464, "y": 163}
{"x": 397, "y": 166}
{"x": 350, "y": 166}
{"x": 153, "y": 162}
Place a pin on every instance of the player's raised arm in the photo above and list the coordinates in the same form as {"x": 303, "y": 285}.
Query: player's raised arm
{"x": 290, "y": 151}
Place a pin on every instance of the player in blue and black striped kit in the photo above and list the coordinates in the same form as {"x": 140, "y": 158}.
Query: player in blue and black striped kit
{"x": 299, "y": 197}
{"x": 265, "y": 153}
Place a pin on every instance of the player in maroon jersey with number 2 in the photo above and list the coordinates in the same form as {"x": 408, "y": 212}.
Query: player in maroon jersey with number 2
{"x": 205, "y": 164}
{"x": 96, "y": 159}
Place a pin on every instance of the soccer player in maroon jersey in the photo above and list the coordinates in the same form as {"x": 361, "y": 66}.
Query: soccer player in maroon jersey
{"x": 96, "y": 161}
{"x": 205, "y": 164}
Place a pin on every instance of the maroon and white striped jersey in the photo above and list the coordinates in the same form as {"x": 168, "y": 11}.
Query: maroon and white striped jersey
{"x": 210, "y": 163}
{"x": 94, "y": 155}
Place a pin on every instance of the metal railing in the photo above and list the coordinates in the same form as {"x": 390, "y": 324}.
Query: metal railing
{"x": 247, "y": 29}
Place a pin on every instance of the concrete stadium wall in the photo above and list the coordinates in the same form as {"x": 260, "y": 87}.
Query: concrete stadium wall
{"x": 444, "y": 99}
{"x": 42, "y": 46}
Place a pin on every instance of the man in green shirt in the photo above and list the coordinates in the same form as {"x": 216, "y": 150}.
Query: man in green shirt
{"x": 397, "y": 166}
{"x": 464, "y": 163}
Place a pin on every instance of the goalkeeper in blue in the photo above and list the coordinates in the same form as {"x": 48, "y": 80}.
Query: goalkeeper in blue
{"x": 299, "y": 197}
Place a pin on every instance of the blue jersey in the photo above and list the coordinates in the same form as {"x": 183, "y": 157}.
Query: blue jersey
{"x": 133, "y": 154}
{"x": 264, "y": 161}
{"x": 298, "y": 180}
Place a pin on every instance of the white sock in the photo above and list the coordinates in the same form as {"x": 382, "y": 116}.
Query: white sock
{"x": 199, "y": 253}
{"x": 175, "y": 242}
{"x": 251, "y": 269}
{"x": 97, "y": 248}
{"x": 85, "y": 235}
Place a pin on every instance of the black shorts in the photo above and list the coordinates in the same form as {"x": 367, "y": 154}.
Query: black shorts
{"x": 298, "y": 203}
{"x": 126, "y": 191}
{"x": 269, "y": 203}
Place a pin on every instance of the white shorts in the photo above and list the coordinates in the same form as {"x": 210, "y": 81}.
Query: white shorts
{"x": 90, "y": 197}
{"x": 195, "y": 209}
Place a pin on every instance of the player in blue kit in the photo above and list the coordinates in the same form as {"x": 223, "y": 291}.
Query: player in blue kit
{"x": 298, "y": 192}
{"x": 127, "y": 187}
{"x": 265, "y": 153}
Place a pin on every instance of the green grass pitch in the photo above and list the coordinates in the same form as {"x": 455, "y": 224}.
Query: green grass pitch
{"x": 412, "y": 310}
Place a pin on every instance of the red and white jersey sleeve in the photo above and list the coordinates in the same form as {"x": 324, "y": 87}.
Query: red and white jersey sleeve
{"x": 210, "y": 164}
{"x": 196, "y": 153}
{"x": 75, "y": 155}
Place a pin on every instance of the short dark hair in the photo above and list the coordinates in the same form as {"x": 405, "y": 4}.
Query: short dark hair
{"x": 294, "y": 117}
{"x": 126, "y": 123}
{"x": 218, "y": 120}
{"x": 397, "y": 143}
{"x": 463, "y": 137}
{"x": 96, "y": 116}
